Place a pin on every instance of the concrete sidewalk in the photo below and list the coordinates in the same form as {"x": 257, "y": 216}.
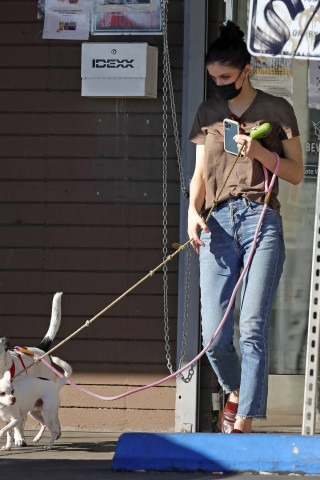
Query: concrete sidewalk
{"x": 81, "y": 455}
{"x": 88, "y": 455}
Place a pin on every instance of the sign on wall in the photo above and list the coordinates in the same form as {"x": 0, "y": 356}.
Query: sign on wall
{"x": 287, "y": 28}
{"x": 314, "y": 85}
{"x": 273, "y": 75}
{"x": 66, "y": 19}
{"x": 116, "y": 17}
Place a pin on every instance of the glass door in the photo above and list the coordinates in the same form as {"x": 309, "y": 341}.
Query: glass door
{"x": 299, "y": 82}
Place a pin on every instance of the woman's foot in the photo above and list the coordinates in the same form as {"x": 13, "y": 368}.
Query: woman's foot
{"x": 234, "y": 397}
{"x": 229, "y": 413}
{"x": 243, "y": 425}
{"x": 228, "y": 417}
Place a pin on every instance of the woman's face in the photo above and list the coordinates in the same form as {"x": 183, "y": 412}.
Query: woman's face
{"x": 222, "y": 74}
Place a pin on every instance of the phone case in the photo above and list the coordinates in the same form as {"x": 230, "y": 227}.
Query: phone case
{"x": 231, "y": 128}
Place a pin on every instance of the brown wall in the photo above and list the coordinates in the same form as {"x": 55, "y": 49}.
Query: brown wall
{"x": 81, "y": 212}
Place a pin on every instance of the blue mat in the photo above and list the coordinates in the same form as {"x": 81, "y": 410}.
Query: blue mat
{"x": 217, "y": 452}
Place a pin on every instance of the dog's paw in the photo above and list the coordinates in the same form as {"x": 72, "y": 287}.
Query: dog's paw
{"x": 5, "y": 448}
{"x": 20, "y": 442}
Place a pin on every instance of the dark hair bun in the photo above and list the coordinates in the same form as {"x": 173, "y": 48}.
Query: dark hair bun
{"x": 230, "y": 48}
{"x": 231, "y": 32}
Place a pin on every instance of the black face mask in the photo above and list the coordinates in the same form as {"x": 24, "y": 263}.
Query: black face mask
{"x": 229, "y": 91}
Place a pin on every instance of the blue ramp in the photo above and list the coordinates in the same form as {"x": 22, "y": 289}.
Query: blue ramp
{"x": 217, "y": 452}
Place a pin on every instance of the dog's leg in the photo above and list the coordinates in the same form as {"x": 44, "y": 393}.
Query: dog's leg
{"x": 9, "y": 441}
{"x": 19, "y": 438}
{"x": 38, "y": 417}
{"x": 49, "y": 419}
{"x": 58, "y": 427}
{"x": 40, "y": 433}
{"x": 52, "y": 439}
{"x": 9, "y": 426}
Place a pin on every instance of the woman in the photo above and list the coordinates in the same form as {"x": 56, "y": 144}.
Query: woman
{"x": 226, "y": 239}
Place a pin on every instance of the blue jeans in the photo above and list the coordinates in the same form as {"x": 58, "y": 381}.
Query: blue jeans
{"x": 232, "y": 226}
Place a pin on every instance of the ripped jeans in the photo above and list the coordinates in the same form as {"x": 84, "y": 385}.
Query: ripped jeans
{"x": 232, "y": 226}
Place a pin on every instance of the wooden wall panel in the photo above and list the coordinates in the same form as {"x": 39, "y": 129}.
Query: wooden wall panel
{"x": 66, "y": 79}
{"x": 79, "y": 236}
{"x": 57, "y": 101}
{"x": 81, "y": 212}
{"x": 59, "y": 56}
{"x": 119, "y": 327}
{"x": 78, "y": 306}
{"x": 112, "y": 419}
{"x": 77, "y": 282}
{"x": 85, "y": 169}
{"x": 161, "y": 401}
{"x": 82, "y": 259}
{"x": 83, "y": 124}
{"x": 82, "y": 146}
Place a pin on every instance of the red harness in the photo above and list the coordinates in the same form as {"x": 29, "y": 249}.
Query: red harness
{"x": 13, "y": 367}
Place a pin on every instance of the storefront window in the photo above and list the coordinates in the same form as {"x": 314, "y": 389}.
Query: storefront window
{"x": 288, "y": 333}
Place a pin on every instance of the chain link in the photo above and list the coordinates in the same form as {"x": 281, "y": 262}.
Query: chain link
{"x": 186, "y": 309}
{"x": 164, "y": 13}
{"x": 167, "y": 77}
{"x": 168, "y": 86}
{"x": 186, "y": 318}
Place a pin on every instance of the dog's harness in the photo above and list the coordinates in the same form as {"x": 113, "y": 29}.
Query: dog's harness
{"x": 12, "y": 370}
{"x": 13, "y": 367}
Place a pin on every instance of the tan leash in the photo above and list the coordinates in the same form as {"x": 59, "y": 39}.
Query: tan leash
{"x": 179, "y": 248}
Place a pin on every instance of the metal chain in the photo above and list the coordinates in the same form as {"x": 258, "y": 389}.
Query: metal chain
{"x": 168, "y": 85}
{"x": 165, "y": 197}
{"x": 167, "y": 75}
{"x": 186, "y": 318}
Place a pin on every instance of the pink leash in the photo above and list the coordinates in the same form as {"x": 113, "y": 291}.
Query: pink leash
{"x": 268, "y": 189}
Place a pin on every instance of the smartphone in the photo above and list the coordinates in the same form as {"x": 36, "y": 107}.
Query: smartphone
{"x": 231, "y": 128}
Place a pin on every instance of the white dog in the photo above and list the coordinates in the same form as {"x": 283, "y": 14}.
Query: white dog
{"x": 17, "y": 363}
{"x": 37, "y": 396}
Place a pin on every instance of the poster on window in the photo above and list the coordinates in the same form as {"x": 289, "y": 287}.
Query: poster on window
{"x": 40, "y": 10}
{"x": 67, "y": 19}
{"x": 285, "y": 28}
{"x": 116, "y": 17}
{"x": 314, "y": 85}
{"x": 273, "y": 75}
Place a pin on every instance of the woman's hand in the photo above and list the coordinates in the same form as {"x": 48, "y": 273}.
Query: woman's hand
{"x": 194, "y": 222}
{"x": 252, "y": 148}
{"x": 291, "y": 164}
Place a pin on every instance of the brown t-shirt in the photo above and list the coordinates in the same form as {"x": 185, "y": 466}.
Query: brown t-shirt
{"x": 247, "y": 177}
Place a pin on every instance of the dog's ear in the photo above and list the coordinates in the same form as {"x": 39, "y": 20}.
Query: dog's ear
{"x": 7, "y": 376}
{"x": 5, "y": 343}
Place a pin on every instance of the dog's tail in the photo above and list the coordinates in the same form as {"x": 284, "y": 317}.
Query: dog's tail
{"x": 65, "y": 367}
{"x": 55, "y": 321}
